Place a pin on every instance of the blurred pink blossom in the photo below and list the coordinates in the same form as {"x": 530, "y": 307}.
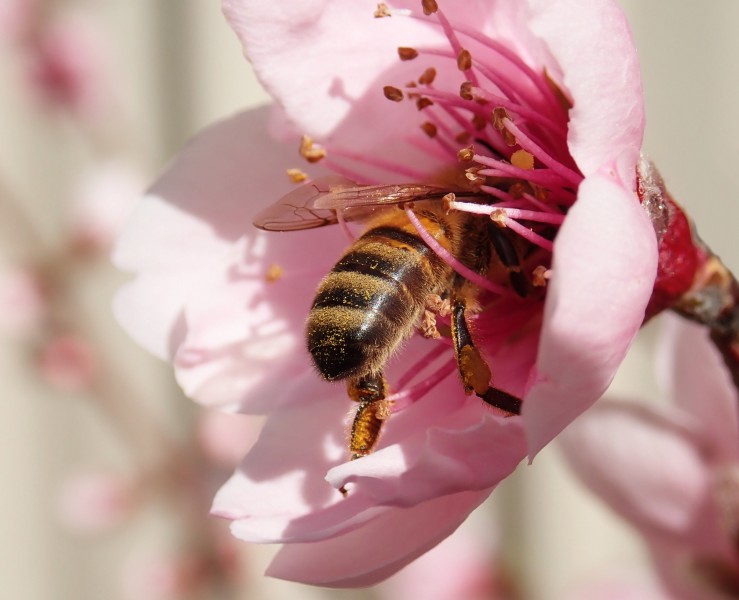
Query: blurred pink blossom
{"x": 103, "y": 202}
{"x": 16, "y": 18}
{"x": 68, "y": 363}
{"x": 673, "y": 471}
{"x": 207, "y": 296}
{"x": 23, "y": 300}
{"x": 161, "y": 577}
{"x": 95, "y": 502}
{"x": 70, "y": 66}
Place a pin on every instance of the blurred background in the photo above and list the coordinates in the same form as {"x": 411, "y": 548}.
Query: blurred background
{"x": 107, "y": 471}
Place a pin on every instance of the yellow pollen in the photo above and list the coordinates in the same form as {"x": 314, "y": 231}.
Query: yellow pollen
{"x": 498, "y": 217}
{"x": 392, "y": 93}
{"x": 429, "y": 129}
{"x": 407, "y": 53}
{"x": 428, "y": 76}
{"x": 464, "y": 60}
{"x": 383, "y": 410}
{"x": 310, "y": 151}
{"x": 382, "y": 10}
{"x": 540, "y": 275}
{"x": 296, "y": 175}
{"x": 429, "y": 7}
{"x": 522, "y": 160}
{"x": 422, "y": 103}
{"x": 466, "y": 154}
{"x": 274, "y": 273}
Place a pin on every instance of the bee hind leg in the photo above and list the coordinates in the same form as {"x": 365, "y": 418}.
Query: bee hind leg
{"x": 369, "y": 391}
{"x": 473, "y": 369}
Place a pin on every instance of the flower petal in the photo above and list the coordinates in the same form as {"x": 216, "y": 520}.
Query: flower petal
{"x": 695, "y": 376}
{"x": 182, "y": 232}
{"x": 604, "y": 265}
{"x": 646, "y": 465}
{"x": 593, "y": 45}
{"x": 372, "y": 553}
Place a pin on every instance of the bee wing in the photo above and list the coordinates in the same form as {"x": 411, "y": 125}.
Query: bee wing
{"x": 297, "y": 210}
{"x": 316, "y": 204}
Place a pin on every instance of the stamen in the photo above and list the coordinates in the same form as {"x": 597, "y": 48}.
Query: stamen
{"x": 545, "y": 177}
{"x": 392, "y": 93}
{"x": 428, "y": 76}
{"x": 528, "y": 144}
{"x": 310, "y": 151}
{"x": 382, "y": 10}
{"x": 405, "y": 398}
{"x": 429, "y": 129}
{"x": 296, "y": 175}
{"x": 464, "y": 60}
{"x": 407, "y": 53}
{"x": 529, "y": 235}
{"x": 512, "y": 213}
{"x": 523, "y": 160}
{"x": 274, "y": 272}
{"x": 429, "y": 7}
{"x": 448, "y": 258}
{"x": 421, "y": 364}
{"x": 540, "y": 275}
{"x": 424, "y": 102}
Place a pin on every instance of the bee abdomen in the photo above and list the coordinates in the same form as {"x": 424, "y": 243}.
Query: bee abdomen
{"x": 369, "y": 302}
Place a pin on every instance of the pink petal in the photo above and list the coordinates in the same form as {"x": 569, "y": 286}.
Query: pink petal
{"x": 695, "y": 377}
{"x": 374, "y": 552}
{"x": 604, "y": 264}
{"x": 245, "y": 332}
{"x": 646, "y": 466}
{"x": 182, "y": 233}
{"x": 593, "y": 45}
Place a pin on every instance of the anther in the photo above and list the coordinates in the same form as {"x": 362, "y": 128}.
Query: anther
{"x": 479, "y": 122}
{"x": 522, "y": 160}
{"x": 464, "y": 60}
{"x": 296, "y": 175}
{"x": 382, "y": 10}
{"x": 465, "y": 91}
{"x": 498, "y": 217}
{"x": 274, "y": 273}
{"x": 474, "y": 177}
{"x": 498, "y": 115}
{"x": 429, "y": 7}
{"x": 540, "y": 275}
{"x": 463, "y": 137}
{"x": 423, "y": 102}
{"x": 428, "y": 76}
{"x": 466, "y": 154}
{"x": 392, "y": 93}
{"x": 406, "y": 53}
{"x": 429, "y": 129}
{"x": 447, "y": 200}
{"x": 310, "y": 151}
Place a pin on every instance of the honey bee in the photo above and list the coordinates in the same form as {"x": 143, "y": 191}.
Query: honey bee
{"x": 377, "y": 292}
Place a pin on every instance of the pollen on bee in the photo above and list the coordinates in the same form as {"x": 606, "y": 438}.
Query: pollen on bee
{"x": 429, "y": 7}
{"x": 406, "y": 53}
{"x": 274, "y": 273}
{"x": 382, "y": 10}
{"x": 540, "y": 275}
{"x": 310, "y": 151}
{"x": 429, "y": 129}
{"x": 474, "y": 370}
{"x": 427, "y": 77}
{"x": 523, "y": 160}
{"x": 464, "y": 60}
{"x": 392, "y": 93}
{"x": 296, "y": 175}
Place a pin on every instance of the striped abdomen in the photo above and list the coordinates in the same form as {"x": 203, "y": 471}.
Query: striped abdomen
{"x": 367, "y": 305}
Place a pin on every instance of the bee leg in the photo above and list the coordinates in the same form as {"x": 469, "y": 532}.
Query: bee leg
{"x": 369, "y": 391}
{"x": 507, "y": 254}
{"x": 473, "y": 369}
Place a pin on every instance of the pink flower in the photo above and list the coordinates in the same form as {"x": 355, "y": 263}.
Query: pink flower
{"x": 227, "y": 304}
{"x": 673, "y": 470}
{"x": 68, "y": 363}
